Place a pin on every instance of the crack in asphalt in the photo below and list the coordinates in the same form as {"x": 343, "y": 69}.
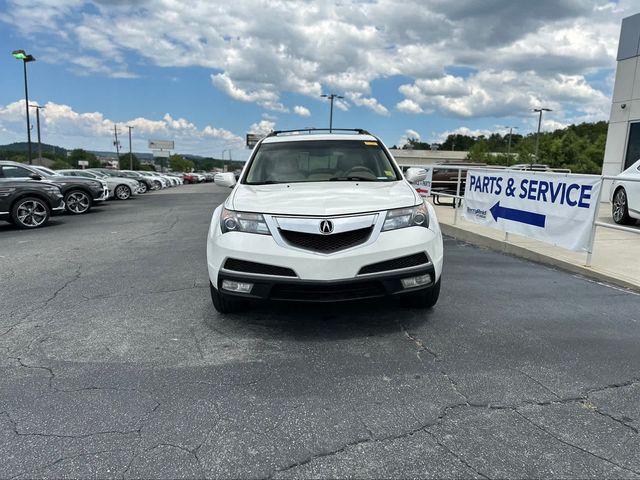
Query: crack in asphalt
{"x": 141, "y": 293}
{"x": 565, "y": 442}
{"x": 162, "y": 231}
{"x": 536, "y": 381}
{"x": 46, "y": 302}
{"x": 459, "y": 457}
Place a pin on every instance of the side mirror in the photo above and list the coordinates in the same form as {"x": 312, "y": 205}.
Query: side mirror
{"x": 35, "y": 176}
{"x": 415, "y": 175}
{"x": 227, "y": 179}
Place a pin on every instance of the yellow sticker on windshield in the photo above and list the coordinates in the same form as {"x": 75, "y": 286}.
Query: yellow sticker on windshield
{"x": 371, "y": 143}
{"x": 388, "y": 173}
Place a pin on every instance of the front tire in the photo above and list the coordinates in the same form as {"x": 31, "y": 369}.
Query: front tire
{"x": 426, "y": 298}
{"x": 122, "y": 192}
{"x": 222, "y": 302}
{"x": 143, "y": 188}
{"x": 620, "y": 208}
{"x": 30, "y": 212}
{"x": 77, "y": 202}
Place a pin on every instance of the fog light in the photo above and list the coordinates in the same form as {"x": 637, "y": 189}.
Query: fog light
{"x": 416, "y": 281}
{"x": 239, "y": 287}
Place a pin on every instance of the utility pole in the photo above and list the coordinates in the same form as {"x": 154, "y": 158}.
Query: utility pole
{"x": 331, "y": 97}
{"x": 38, "y": 107}
{"x": 116, "y": 143}
{"x": 509, "y": 145}
{"x": 130, "y": 154}
{"x": 539, "y": 110}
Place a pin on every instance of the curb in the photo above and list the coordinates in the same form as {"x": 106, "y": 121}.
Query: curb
{"x": 517, "y": 251}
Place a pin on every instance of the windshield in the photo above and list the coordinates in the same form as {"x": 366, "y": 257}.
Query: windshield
{"x": 47, "y": 172}
{"x": 320, "y": 161}
{"x": 83, "y": 173}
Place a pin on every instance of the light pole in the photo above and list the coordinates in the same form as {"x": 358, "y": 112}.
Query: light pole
{"x": 539, "y": 110}
{"x": 130, "y": 154}
{"x": 509, "y": 146}
{"x": 116, "y": 143}
{"x": 26, "y": 58}
{"x": 38, "y": 108}
{"x": 331, "y": 97}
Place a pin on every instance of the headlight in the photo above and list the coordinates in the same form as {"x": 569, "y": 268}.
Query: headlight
{"x": 231, "y": 221}
{"x": 53, "y": 190}
{"x": 417, "y": 216}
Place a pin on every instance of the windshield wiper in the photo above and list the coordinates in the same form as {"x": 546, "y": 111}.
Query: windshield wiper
{"x": 266, "y": 182}
{"x": 351, "y": 178}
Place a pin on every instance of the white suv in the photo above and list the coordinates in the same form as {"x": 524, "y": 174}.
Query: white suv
{"x": 321, "y": 217}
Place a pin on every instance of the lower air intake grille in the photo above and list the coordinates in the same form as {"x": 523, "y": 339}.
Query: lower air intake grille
{"x": 327, "y": 293}
{"x": 396, "y": 263}
{"x": 327, "y": 243}
{"x": 254, "y": 267}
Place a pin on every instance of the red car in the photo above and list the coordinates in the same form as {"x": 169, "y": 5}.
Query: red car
{"x": 190, "y": 178}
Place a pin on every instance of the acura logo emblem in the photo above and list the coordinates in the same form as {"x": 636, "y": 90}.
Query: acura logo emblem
{"x": 326, "y": 227}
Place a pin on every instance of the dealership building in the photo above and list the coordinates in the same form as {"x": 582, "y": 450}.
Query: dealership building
{"x": 623, "y": 136}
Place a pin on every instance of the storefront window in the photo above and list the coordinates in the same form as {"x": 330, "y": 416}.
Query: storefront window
{"x": 633, "y": 146}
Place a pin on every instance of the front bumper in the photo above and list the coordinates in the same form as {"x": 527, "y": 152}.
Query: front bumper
{"x": 320, "y": 277}
{"x": 103, "y": 195}
{"x": 317, "y": 291}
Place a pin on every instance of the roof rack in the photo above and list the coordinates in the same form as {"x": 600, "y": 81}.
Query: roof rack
{"x": 359, "y": 131}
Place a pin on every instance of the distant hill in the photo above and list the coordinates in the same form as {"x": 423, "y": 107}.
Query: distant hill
{"x": 141, "y": 156}
{"x": 22, "y": 147}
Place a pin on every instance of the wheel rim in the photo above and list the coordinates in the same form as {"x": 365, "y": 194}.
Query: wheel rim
{"x": 32, "y": 213}
{"x": 122, "y": 192}
{"x": 619, "y": 205}
{"x": 143, "y": 188}
{"x": 78, "y": 202}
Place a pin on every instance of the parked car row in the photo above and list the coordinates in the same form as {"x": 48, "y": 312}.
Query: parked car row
{"x": 30, "y": 194}
{"x": 198, "y": 177}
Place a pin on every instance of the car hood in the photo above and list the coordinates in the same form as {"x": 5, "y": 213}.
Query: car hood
{"x": 323, "y": 198}
{"x": 76, "y": 180}
{"x": 127, "y": 180}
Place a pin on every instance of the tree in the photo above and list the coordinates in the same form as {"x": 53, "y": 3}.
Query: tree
{"x": 180, "y": 164}
{"x": 124, "y": 162}
{"x": 80, "y": 154}
{"x": 59, "y": 165}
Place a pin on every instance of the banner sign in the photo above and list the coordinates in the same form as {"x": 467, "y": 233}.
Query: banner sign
{"x": 424, "y": 187}
{"x": 253, "y": 139}
{"x": 554, "y": 208}
{"x": 161, "y": 145}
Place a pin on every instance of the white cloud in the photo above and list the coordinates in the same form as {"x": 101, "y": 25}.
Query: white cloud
{"x": 442, "y": 136}
{"x": 409, "y": 106}
{"x": 62, "y": 125}
{"x": 368, "y": 102}
{"x": 345, "y": 47}
{"x": 408, "y": 134}
{"x": 302, "y": 111}
{"x": 263, "y": 127}
{"x": 505, "y": 93}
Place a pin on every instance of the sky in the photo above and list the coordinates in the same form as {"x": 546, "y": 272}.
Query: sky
{"x": 206, "y": 72}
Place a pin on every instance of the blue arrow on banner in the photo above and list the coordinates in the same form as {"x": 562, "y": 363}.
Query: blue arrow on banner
{"x": 522, "y": 216}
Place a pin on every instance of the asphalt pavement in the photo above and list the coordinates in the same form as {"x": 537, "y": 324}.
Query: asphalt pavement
{"x": 113, "y": 363}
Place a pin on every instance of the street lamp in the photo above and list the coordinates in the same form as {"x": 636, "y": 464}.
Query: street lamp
{"x": 539, "y": 110}
{"x": 509, "y": 146}
{"x": 26, "y": 58}
{"x": 331, "y": 97}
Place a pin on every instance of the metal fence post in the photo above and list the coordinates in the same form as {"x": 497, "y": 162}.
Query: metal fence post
{"x": 455, "y": 200}
{"x": 592, "y": 238}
